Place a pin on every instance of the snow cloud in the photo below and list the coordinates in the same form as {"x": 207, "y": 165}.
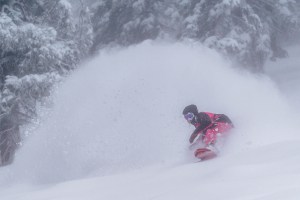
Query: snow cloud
{"x": 122, "y": 110}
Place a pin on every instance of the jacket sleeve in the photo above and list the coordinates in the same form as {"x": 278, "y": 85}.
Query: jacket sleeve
{"x": 204, "y": 121}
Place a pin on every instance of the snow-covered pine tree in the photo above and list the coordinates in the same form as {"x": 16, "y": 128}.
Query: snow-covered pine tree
{"x": 283, "y": 24}
{"x": 84, "y": 31}
{"x": 247, "y": 30}
{"x": 38, "y": 46}
{"x": 19, "y": 98}
{"x": 125, "y": 22}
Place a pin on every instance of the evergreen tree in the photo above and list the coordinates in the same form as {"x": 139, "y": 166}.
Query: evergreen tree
{"x": 248, "y": 30}
{"x": 125, "y": 22}
{"x": 84, "y": 32}
{"x": 39, "y": 44}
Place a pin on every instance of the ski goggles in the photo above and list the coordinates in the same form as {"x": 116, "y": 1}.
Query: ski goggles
{"x": 189, "y": 116}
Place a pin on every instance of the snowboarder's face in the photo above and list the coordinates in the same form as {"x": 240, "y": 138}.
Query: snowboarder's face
{"x": 189, "y": 117}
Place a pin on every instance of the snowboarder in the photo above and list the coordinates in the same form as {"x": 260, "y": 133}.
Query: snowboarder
{"x": 208, "y": 127}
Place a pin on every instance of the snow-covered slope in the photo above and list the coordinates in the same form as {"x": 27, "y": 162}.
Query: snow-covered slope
{"x": 116, "y": 132}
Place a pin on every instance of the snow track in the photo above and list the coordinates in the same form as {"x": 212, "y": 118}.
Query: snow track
{"x": 116, "y": 127}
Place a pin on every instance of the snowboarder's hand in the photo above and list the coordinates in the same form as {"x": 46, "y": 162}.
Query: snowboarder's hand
{"x": 193, "y": 137}
{"x": 191, "y": 140}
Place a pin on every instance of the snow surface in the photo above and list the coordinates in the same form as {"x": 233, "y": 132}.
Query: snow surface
{"x": 116, "y": 131}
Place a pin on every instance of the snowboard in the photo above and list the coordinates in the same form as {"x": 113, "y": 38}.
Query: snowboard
{"x": 205, "y": 154}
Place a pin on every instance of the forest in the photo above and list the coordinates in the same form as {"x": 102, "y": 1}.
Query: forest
{"x": 44, "y": 41}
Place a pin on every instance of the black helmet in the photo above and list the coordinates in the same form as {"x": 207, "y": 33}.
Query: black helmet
{"x": 190, "y": 109}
